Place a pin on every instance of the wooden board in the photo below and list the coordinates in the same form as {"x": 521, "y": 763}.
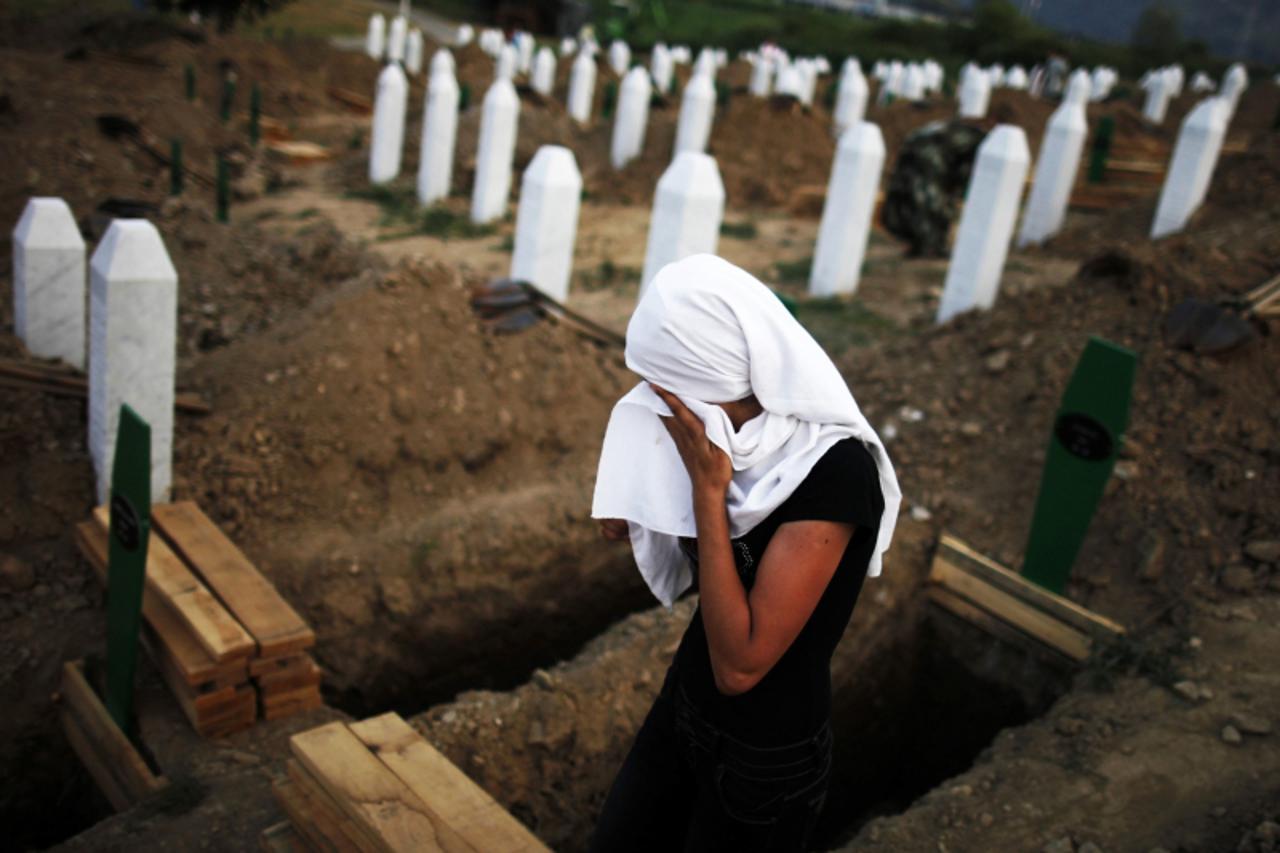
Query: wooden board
{"x": 975, "y": 616}
{"x": 249, "y": 596}
{"x": 67, "y": 382}
{"x": 282, "y": 838}
{"x": 209, "y": 622}
{"x": 304, "y": 673}
{"x": 1034, "y": 623}
{"x": 104, "y": 750}
{"x": 295, "y": 706}
{"x": 195, "y": 664}
{"x": 965, "y": 558}
{"x": 466, "y": 818}
{"x": 367, "y": 791}
{"x": 332, "y": 828}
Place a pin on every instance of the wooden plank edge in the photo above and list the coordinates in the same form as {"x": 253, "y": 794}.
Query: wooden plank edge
{"x": 1000, "y": 630}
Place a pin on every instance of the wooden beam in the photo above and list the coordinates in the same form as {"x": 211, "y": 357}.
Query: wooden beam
{"x": 975, "y": 616}
{"x": 318, "y": 815}
{"x": 51, "y": 379}
{"x": 282, "y": 838}
{"x": 368, "y": 792}
{"x": 250, "y": 597}
{"x": 466, "y": 818}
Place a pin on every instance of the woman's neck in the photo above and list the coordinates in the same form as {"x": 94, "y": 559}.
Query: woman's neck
{"x": 741, "y": 411}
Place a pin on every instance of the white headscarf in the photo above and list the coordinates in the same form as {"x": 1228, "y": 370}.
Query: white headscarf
{"x": 709, "y": 332}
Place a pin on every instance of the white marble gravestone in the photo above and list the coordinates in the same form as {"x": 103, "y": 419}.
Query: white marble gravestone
{"x": 544, "y": 72}
{"x": 582, "y": 87}
{"x": 413, "y": 52}
{"x": 697, "y": 110}
{"x": 1195, "y": 155}
{"x": 1157, "y": 102}
{"x": 1233, "y": 86}
{"x": 1057, "y": 165}
{"x": 464, "y": 36}
{"x": 661, "y": 67}
{"x": 547, "y": 221}
{"x": 846, "y": 214}
{"x": 851, "y": 98}
{"x": 688, "y": 206}
{"x": 375, "y": 41}
{"x": 388, "y": 124}
{"x": 619, "y": 57}
{"x": 495, "y": 152}
{"x": 524, "y": 44}
{"x": 568, "y": 45}
{"x": 504, "y": 64}
{"x": 133, "y": 321}
{"x": 761, "y": 77}
{"x": 439, "y": 132}
{"x": 48, "y": 281}
{"x": 632, "y": 118}
{"x": 986, "y": 224}
{"x": 396, "y": 38}
{"x": 975, "y": 92}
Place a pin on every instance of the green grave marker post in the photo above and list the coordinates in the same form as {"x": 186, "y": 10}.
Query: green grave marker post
{"x": 175, "y": 167}
{"x": 189, "y": 74}
{"x": 1101, "y": 149}
{"x": 464, "y": 98}
{"x": 228, "y": 98}
{"x": 223, "y": 190}
{"x": 1087, "y": 434}
{"x": 130, "y": 529}
{"x": 610, "y": 98}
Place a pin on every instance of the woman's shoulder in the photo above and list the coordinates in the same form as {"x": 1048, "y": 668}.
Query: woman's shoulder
{"x": 843, "y": 485}
{"x": 845, "y": 462}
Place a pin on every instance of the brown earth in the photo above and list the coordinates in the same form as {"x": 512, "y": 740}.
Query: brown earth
{"x": 419, "y": 489}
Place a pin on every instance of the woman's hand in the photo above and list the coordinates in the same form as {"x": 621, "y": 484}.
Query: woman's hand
{"x": 614, "y": 529}
{"x": 709, "y": 467}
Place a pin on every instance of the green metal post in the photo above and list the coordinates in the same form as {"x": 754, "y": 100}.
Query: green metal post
{"x": 175, "y": 167}
{"x": 464, "y": 98}
{"x": 130, "y": 529}
{"x": 224, "y": 190}
{"x": 190, "y": 75}
{"x": 1087, "y": 435}
{"x": 610, "y": 97}
{"x": 255, "y": 114}
{"x": 1101, "y": 149}
{"x": 228, "y": 97}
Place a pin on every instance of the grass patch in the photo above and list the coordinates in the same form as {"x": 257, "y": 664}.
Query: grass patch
{"x": 608, "y": 274}
{"x": 307, "y": 213}
{"x": 399, "y": 205}
{"x": 839, "y": 324}
{"x": 793, "y": 272}
{"x": 739, "y": 230}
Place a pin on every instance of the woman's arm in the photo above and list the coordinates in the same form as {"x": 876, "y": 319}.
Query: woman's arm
{"x": 747, "y": 634}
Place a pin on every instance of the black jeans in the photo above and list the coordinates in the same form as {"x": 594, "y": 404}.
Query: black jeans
{"x": 687, "y": 785}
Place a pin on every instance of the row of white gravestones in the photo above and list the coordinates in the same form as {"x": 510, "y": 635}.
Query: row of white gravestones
{"x": 1057, "y": 165}
{"x": 986, "y": 223}
{"x": 975, "y": 92}
{"x": 688, "y": 206}
{"x": 631, "y": 119}
{"x": 1195, "y": 155}
{"x": 495, "y": 152}
{"x": 439, "y": 131}
{"x": 846, "y": 214}
{"x": 851, "y": 97}
{"x": 133, "y": 318}
{"x": 400, "y": 44}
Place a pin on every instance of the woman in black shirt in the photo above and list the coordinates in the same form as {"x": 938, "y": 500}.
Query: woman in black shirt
{"x": 786, "y": 513}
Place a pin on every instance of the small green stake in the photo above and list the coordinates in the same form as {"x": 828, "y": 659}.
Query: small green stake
{"x": 255, "y": 114}
{"x": 175, "y": 167}
{"x": 464, "y": 98}
{"x": 224, "y": 190}
{"x": 1101, "y": 149}
{"x": 610, "y": 97}
{"x": 130, "y": 528}
{"x": 190, "y": 75}
{"x": 1087, "y": 434}
{"x": 228, "y": 97}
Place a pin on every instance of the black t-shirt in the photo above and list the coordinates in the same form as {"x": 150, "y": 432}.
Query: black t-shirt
{"x": 794, "y": 698}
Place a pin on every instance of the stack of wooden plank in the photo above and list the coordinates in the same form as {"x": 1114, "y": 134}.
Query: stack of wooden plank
{"x": 229, "y": 647}
{"x": 377, "y": 785}
{"x": 1008, "y": 606}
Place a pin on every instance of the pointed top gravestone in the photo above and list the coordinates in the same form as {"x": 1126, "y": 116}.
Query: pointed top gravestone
{"x": 49, "y": 281}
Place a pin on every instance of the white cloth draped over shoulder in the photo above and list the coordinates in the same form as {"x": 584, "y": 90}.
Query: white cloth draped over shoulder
{"x": 709, "y": 333}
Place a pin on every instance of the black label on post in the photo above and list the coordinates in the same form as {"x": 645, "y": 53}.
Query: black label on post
{"x": 124, "y": 522}
{"x": 1083, "y": 436}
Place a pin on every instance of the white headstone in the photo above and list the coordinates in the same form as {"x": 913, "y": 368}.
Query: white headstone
{"x": 851, "y": 98}
{"x": 388, "y": 124}
{"x": 1202, "y": 82}
{"x": 48, "y": 281}
{"x": 687, "y": 208}
{"x": 697, "y": 109}
{"x": 619, "y": 57}
{"x": 375, "y": 41}
{"x": 808, "y": 80}
{"x": 632, "y": 118}
{"x": 396, "y": 38}
{"x": 1157, "y": 99}
{"x": 443, "y": 60}
{"x": 464, "y": 36}
{"x": 913, "y": 83}
{"x": 495, "y": 152}
{"x": 707, "y": 63}
{"x": 761, "y": 77}
{"x": 1233, "y": 86}
{"x": 975, "y": 93}
{"x": 133, "y": 321}
{"x": 1016, "y": 78}
{"x": 544, "y": 72}
{"x": 1056, "y": 168}
{"x": 582, "y": 87}
{"x": 439, "y": 132}
{"x": 661, "y": 67}
{"x": 789, "y": 81}
{"x": 568, "y": 46}
{"x": 524, "y": 45}
{"x": 1079, "y": 87}
{"x": 846, "y": 214}
{"x": 1195, "y": 155}
{"x": 986, "y": 224}
{"x": 505, "y": 62}
{"x": 547, "y": 221}
{"x": 413, "y": 52}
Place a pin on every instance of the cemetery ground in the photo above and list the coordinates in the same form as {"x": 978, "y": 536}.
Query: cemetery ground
{"x": 418, "y": 488}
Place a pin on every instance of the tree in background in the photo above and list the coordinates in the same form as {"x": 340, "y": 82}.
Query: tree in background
{"x": 1157, "y": 36}
{"x": 225, "y": 12}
